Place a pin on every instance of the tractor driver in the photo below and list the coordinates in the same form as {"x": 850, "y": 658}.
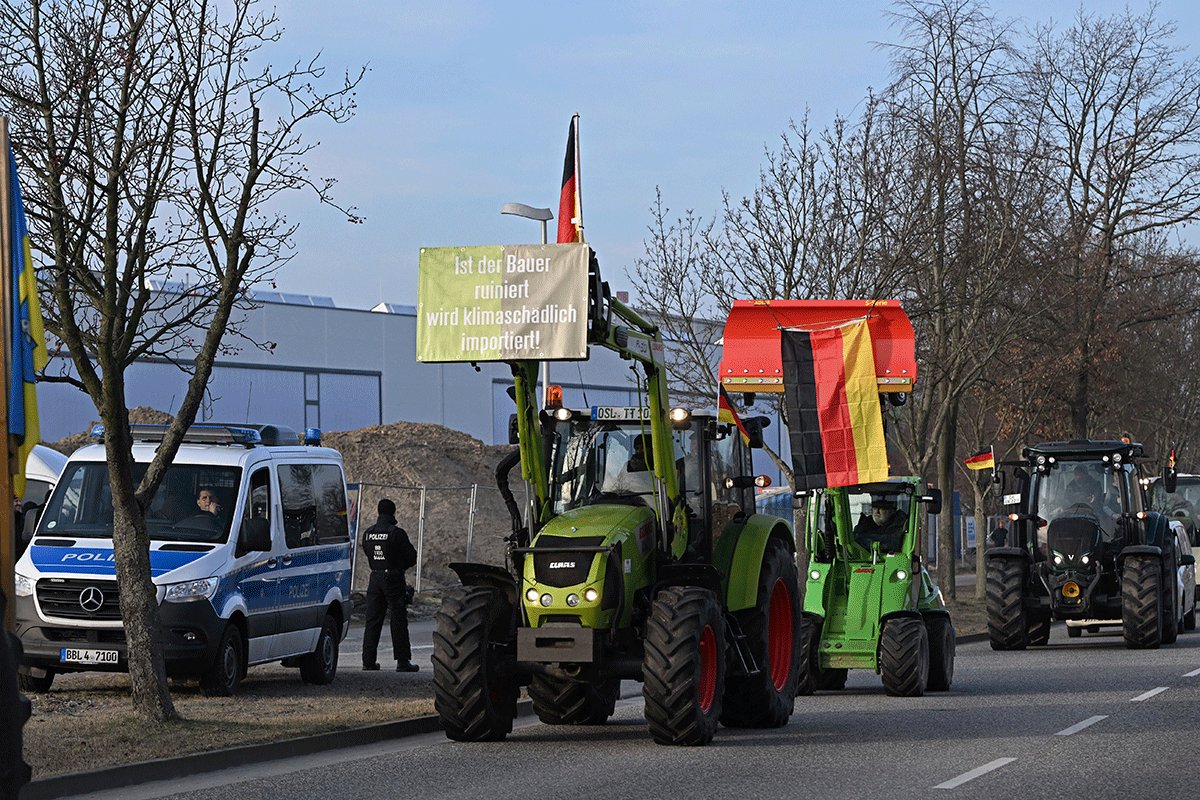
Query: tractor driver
{"x": 884, "y": 525}
{"x": 637, "y": 476}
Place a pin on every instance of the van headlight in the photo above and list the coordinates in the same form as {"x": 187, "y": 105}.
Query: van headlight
{"x": 191, "y": 590}
{"x": 23, "y": 586}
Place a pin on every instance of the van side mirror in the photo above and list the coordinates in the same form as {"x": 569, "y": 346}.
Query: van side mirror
{"x": 754, "y": 431}
{"x": 29, "y": 521}
{"x": 513, "y": 435}
{"x": 255, "y": 536}
{"x": 933, "y": 499}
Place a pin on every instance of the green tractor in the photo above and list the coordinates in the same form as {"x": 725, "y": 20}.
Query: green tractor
{"x": 870, "y": 601}
{"x": 639, "y": 557}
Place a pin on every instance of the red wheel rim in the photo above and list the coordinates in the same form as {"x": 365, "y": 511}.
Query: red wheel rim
{"x": 708, "y": 668}
{"x": 779, "y": 635}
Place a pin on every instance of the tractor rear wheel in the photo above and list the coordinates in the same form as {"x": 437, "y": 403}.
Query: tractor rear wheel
{"x": 684, "y": 666}
{"x": 1142, "y": 602}
{"x": 941, "y": 652}
{"x": 1005, "y": 604}
{"x": 773, "y": 633}
{"x": 558, "y": 701}
{"x": 474, "y": 686}
{"x": 904, "y": 657}
{"x": 1038, "y": 627}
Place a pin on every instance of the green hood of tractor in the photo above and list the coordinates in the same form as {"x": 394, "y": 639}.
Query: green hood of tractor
{"x": 592, "y": 559}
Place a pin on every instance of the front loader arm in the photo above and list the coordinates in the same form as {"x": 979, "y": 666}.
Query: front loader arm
{"x": 529, "y": 435}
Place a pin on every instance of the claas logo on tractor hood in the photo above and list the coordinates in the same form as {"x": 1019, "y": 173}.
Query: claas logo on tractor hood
{"x": 562, "y": 565}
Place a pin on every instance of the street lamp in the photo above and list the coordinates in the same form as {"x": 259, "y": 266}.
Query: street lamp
{"x": 542, "y": 215}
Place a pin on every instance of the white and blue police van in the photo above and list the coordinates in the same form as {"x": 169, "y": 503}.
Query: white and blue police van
{"x": 258, "y": 572}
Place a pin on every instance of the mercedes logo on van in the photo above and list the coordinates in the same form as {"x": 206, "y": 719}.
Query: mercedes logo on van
{"x": 91, "y": 599}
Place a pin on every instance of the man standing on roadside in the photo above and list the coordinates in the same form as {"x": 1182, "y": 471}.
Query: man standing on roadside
{"x": 389, "y": 553}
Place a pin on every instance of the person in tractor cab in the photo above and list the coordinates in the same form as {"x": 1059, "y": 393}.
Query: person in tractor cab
{"x": 637, "y": 476}
{"x": 883, "y": 525}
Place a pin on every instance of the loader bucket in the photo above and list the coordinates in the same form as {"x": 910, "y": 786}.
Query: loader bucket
{"x": 752, "y": 360}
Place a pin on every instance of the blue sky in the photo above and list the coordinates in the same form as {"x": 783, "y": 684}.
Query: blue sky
{"x": 467, "y": 104}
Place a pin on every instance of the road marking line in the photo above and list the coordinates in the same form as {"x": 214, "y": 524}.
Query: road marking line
{"x": 954, "y": 783}
{"x": 1078, "y": 726}
{"x": 1192, "y": 674}
{"x": 1149, "y": 694}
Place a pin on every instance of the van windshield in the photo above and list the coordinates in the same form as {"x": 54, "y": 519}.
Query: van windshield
{"x": 194, "y": 503}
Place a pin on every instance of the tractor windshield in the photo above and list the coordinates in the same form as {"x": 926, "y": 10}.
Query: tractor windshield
{"x": 1082, "y": 490}
{"x": 880, "y": 517}
{"x": 597, "y": 462}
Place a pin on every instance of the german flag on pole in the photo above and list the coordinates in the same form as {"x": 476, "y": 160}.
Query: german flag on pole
{"x": 984, "y": 459}
{"x": 832, "y": 397}
{"x": 727, "y": 413}
{"x": 570, "y": 206}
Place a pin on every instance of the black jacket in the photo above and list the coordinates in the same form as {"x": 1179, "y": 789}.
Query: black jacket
{"x": 386, "y": 545}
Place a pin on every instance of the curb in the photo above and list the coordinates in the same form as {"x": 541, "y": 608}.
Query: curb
{"x": 167, "y": 768}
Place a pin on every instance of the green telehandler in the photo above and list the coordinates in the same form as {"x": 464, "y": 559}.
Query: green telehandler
{"x": 639, "y": 557}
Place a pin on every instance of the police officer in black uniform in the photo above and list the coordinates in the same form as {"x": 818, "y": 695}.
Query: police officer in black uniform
{"x": 389, "y": 553}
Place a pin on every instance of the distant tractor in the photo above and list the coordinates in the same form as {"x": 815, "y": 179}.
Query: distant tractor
{"x": 1082, "y": 547}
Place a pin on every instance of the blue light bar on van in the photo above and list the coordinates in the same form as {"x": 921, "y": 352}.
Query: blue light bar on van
{"x": 245, "y": 436}
{"x": 97, "y": 433}
{"x": 312, "y": 436}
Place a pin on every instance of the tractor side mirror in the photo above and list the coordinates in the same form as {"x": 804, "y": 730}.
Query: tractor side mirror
{"x": 754, "y": 430}
{"x": 746, "y": 481}
{"x": 1168, "y": 479}
{"x": 933, "y": 499}
{"x": 513, "y": 436}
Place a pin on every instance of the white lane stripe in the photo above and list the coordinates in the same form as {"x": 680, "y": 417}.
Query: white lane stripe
{"x": 1148, "y": 695}
{"x": 1192, "y": 674}
{"x": 954, "y": 783}
{"x": 1078, "y": 726}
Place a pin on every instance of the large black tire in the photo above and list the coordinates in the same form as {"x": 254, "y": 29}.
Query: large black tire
{"x": 941, "y": 652}
{"x": 474, "y": 658}
{"x": 808, "y": 669}
{"x": 35, "y": 685}
{"x": 1141, "y": 602}
{"x": 1172, "y": 616}
{"x": 225, "y": 675}
{"x": 558, "y": 701}
{"x": 320, "y": 666}
{"x": 1074, "y": 632}
{"x": 1189, "y": 619}
{"x": 684, "y": 666}
{"x": 773, "y": 632}
{"x": 1038, "y": 627}
{"x": 904, "y": 657}
{"x": 1007, "y": 628}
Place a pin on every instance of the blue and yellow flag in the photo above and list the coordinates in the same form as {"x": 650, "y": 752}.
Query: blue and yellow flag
{"x": 28, "y": 336}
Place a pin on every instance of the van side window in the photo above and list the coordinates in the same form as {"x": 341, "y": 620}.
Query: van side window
{"x": 299, "y": 505}
{"x": 258, "y": 504}
{"x": 329, "y": 490}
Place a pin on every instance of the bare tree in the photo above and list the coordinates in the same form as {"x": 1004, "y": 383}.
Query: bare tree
{"x": 157, "y": 136}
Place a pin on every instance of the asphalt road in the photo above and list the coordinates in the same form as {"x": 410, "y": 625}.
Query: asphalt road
{"x": 1080, "y": 718}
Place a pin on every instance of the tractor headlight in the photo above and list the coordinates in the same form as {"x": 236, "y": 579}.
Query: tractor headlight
{"x": 1086, "y": 560}
{"x": 816, "y": 576}
{"x": 1058, "y": 559}
{"x": 547, "y": 600}
{"x": 591, "y": 595}
{"x": 191, "y": 590}
{"x": 562, "y": 414}
{"x": 679, "y": 416}
{"x": 23, "y": 587}
{"x": 901, "y": 574}
{"x": 531, "y": 595}
{"x": 572, "y": 599}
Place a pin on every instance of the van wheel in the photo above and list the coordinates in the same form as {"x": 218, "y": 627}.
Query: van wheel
{"x": 224, "y": 676}
{"x": 29, "y": 683}
{"x": 320, "y": 666}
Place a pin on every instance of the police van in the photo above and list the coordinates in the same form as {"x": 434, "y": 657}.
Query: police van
{"x": 250, "y": 553}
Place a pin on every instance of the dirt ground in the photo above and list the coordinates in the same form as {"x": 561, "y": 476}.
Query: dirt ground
{"x": 91, "y": 724}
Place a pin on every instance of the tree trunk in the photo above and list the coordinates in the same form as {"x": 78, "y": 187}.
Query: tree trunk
{"x": 946, "y": 531}
{"x": 138, "y": 597}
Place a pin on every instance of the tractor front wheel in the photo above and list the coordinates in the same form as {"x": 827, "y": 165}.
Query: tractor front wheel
{"x": 558, "y": 701}
{"x": 774, "y": 635}
{"x": 1172, "y": 616}
{"x": 684, "y": 666}
{"x": 941, "y": 652}
{"x": 1006, "y": 623}
{"x": 904, "y": 657}
{"x": 1142, "y": 606}
{"x": 474, "y": 684}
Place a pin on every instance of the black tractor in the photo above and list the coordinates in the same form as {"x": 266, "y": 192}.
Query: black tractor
{"x": 1083, "y": 547}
